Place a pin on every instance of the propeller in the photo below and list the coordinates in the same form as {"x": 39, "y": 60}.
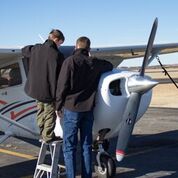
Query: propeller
{"x": 137, "y": 85}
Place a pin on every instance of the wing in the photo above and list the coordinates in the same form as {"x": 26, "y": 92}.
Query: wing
{"x": 117, "y": 54}
{"x": 114, "y": 54}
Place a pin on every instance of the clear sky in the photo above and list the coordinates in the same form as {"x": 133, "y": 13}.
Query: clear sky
{"x": 106, "y": 23}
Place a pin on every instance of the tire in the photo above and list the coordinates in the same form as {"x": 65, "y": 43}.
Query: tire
{"x": 108, "y": 167}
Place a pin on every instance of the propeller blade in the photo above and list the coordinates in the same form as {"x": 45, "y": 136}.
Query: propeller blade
{"x": 137, "y": 85}
{"x": 149, "y": 46}
{"x": 128, "y": 122}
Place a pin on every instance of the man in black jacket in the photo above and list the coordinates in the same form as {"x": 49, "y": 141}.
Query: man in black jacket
{"x": 76, "y": 89}
{"x": 45, "y": 61}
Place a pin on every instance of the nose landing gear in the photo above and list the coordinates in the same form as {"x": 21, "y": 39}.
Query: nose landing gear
{"x": 105, "y": 165}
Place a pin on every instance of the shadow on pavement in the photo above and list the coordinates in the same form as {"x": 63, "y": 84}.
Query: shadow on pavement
{"x": 148, "y": 156}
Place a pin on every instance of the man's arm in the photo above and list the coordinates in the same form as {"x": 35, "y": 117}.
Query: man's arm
{"x": 63, "y": 85}
{"x": 103, "y": 65}
{"x": 26, "y": 51}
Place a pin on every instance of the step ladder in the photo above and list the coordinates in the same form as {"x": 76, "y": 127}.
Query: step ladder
{"x": 44, "y": 169}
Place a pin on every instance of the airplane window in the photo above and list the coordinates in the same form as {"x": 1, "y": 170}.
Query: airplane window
{"x": 10, "y": 75}
{"x": 114, "y": 88}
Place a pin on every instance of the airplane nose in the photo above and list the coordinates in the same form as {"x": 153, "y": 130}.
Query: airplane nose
{"x": 140, "y": 84}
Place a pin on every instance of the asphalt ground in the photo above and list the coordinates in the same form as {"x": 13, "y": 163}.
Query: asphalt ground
{"x": 152, "y": 151}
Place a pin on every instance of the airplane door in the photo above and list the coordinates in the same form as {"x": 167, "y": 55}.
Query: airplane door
{"x": 14, "y": 103}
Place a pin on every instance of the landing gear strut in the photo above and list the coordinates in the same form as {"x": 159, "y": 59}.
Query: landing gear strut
{"x": 105, "y": 166}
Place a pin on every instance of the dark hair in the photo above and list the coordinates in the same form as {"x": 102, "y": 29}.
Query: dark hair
{"x": 83, "y": 42}
{"x": 55, "y": 33}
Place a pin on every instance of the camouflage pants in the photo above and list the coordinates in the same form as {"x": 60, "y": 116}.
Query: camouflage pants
{"x": 46, "y": 119}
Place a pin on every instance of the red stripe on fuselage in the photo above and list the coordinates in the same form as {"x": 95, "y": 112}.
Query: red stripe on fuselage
{"x": 3, "y": 102}
{"x": 15, "y": 115}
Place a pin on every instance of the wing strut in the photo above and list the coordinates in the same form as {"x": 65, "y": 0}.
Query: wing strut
{"x": 166, "y": 72}
{"x": 20, "y": 126}
{"x": 4, "y": 137}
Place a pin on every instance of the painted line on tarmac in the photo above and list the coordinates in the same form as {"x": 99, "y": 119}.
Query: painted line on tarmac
{"x": 30, "y": 157}
{"x": 152, "y": 149}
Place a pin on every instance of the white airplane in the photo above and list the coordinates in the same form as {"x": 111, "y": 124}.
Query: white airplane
{"x": 123, "y": 97}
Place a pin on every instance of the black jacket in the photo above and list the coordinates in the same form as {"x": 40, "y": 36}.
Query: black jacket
{"x": 78, "y": 81}
{"x": 45, "y": 62}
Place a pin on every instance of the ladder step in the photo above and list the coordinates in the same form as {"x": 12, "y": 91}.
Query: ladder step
{"x": 51, "y": 170}
{"x": 44, "y": 167}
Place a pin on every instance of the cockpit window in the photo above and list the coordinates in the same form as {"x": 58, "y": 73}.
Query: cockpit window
{"x": 10, "y": 75}
{"x": 114, "y": 88}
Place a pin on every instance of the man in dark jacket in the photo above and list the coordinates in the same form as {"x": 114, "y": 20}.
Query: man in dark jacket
{"x": 45, "y": 61}
{"x": 76, "y": 89}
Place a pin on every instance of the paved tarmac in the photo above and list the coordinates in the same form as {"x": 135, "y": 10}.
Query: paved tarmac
{"x": 152, "y": 152}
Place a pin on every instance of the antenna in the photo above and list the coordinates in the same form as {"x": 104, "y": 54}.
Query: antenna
{"x": 42, "y": 39}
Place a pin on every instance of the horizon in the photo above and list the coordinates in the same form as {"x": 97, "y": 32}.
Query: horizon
{"x": 113, "y": 23}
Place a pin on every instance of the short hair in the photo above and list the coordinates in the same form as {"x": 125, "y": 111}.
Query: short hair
{"x": 83, "y": 42}
{"x": 55, "y": 33}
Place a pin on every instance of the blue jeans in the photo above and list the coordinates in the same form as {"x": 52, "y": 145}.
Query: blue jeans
{"x": 73, "y": 121}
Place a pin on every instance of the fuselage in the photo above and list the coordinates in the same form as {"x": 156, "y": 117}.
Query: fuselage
{"x": 111, "y": 100}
